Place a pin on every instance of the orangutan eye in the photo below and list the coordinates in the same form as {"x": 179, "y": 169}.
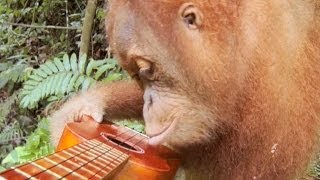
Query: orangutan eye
{"x": 145, "y": 69}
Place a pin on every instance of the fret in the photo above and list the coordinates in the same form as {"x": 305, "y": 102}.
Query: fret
{"x": 102, "y": 157}
{"x": 47, "y": 175}
{"x": 45, "y": 166}
{"x": 106, "y": 149}
{"x": 92, "y": 167}
{"x": 110, "y": 166}
{"x": 65, "y": 152}
{"x": 11, "y": 174}
{"x": 90, "y": 144}
{"x": 94, "y": 173}
{"x": 108, "y": 159}
{"x": 58, "y": 155}
{"x": 112, "y": 155}
{"x": 80, "y": 149}
{"x": 84, "y": 172}
{"x": 95, "y": 142}
{"x": 63, "y": 163}
{"x": 61, "y": 169}
{"x": 75, "y": 161}
{"x": 74, "y": 151}
{"x": 23, "y": 173}
{"x": 91, "y": 159}
{"x": 31, "y": 169}
{"x": 93, "y": 156}
{"x": 106, "y": 156}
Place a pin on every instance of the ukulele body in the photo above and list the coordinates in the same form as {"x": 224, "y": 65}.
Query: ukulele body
{"x": 144, "y": 162}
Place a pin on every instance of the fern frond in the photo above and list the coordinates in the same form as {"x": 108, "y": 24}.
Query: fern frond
{"x": 13, "y": 73}
{"x": 62, "y": 76}
{"x": 11, "y": 134}
{"x": 6, "y": 107}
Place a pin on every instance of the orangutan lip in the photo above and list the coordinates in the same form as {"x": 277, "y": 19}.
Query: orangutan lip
{"x": 159, "y": 138}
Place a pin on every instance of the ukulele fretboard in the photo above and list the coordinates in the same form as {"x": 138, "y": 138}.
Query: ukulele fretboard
{"x": 89, "y": 160}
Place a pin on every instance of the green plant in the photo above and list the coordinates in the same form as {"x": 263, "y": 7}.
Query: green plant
{"x": 12, "y": 133}
{"x": 15, "y": 125}
{"x": 132, "y": 124}
{"x": 10, "y": 73}
{"x": 60, "y": 77}
{"x": 37, "y": 145}
{"x": 5, "y": 109}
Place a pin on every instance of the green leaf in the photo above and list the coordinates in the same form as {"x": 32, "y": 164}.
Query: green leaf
{"x": 86, "y": 84}
{"x": 3, "y": 82}
{"x": 59, "y": 64}
{"x": 53, "y": 98}
{"x": 39, "y": 72}
{"x": 2, "y": 169}
{"x": 59, "y": 83}
{"x": 74, "y": 64}
{"x": 4, "y": 66}
{"x": 36, "y": 77}
{"x": 13, "y": 157}
{"x": 90, "y": 67}
{"x": 72, "y": 83}
{"x": 52, "y": 66}
{"x": 51, "y": 85}
{"x": 66, "y": 82}
{"x": 34, "y": 141}
{"x": 31, "y": 83}
{"x": 103, "y": 69}
{"x": 66, "y": 62}
{"x": 113, "y": 77}
{"x": 46, "y": 69}
{"x": 79, "y": 82}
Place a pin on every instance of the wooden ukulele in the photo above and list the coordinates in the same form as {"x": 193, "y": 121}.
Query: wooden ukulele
{"x": 88, "y": 150}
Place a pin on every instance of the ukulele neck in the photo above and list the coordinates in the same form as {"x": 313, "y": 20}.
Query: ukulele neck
{"x": 91, "y": 159}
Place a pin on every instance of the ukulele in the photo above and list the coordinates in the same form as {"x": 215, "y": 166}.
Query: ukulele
{"x": 88, "y": 150}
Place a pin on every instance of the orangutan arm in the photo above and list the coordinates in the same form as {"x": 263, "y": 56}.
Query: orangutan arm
{"x": 117, "y": 100}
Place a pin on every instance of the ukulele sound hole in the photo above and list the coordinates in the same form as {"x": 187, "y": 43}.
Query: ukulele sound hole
{"x": 122, "y": 144}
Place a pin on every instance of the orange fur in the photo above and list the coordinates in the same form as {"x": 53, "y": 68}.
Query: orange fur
{"x": 243, "y": 87}
{"x": 237, "y": 92}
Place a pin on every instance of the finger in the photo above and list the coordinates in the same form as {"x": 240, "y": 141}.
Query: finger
{"x": 98, "y": 117}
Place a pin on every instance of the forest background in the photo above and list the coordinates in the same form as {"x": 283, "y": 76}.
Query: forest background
{"x": 50, "y": 50}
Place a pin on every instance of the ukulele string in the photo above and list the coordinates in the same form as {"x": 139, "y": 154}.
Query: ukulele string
{"x": 108, "y": 150}
{"x": 119, "y": 156}
{"x": 67, "y": 159}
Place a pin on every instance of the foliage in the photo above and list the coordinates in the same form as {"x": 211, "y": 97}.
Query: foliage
{"x": 9, "y": 134}
{"x": 14, "y": 125}
{"x": 132, "y": 124}
{"x": 5, "y": 108}
{"x": 37, "y": 145}
{"x": 30, "y": 83}
{"x": 37, "y": 44}
{"x": 10, "y": 73}
{"x": 60, "y": 77}
{"x": 314, "y": 169}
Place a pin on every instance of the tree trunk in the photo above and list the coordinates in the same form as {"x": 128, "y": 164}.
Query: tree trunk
{"x": 87, "y": 26}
